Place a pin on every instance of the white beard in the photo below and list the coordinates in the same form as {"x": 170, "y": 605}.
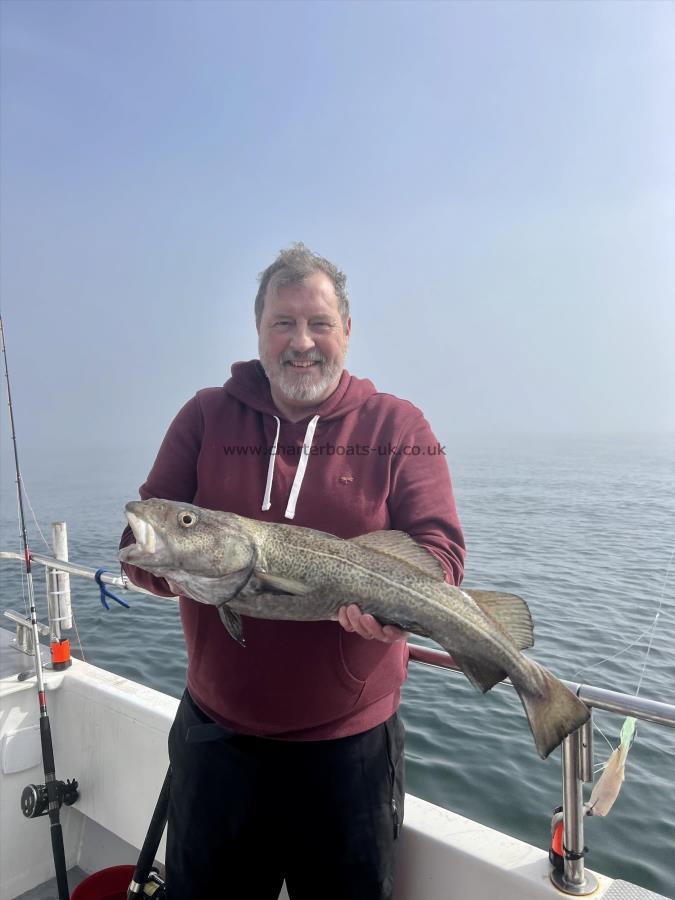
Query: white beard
{"x": 293, "y": 388}
{"x": 299, "y": 388}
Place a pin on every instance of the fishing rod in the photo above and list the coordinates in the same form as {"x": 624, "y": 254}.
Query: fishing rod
{"x": 37, "y": 800}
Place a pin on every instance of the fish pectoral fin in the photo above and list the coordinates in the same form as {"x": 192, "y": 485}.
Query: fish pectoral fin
{"x": 232, "y": 621}
{"x": 401, "y": 546}
{"x": 509, "y": 611}
{"x": 482, "y": 675}
{"x": 281, "y": 584}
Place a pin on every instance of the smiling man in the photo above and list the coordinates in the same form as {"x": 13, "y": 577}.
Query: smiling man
{"x": 287, "y": 754}
{"x": 303, "y": 342}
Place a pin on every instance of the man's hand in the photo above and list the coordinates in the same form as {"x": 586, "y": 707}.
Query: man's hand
{"x": 352, "y": 619}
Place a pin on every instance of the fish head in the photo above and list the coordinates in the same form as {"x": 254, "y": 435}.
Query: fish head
{"x": 190, "y": 546}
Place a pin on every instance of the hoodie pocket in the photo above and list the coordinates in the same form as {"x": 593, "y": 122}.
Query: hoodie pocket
{"x": 348, "y": 678}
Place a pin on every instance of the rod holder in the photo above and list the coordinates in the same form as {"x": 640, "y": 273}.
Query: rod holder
{"x": 23, "y": 639}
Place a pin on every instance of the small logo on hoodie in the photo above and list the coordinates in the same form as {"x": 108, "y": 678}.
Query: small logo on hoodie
{"x": 347, "y": 478}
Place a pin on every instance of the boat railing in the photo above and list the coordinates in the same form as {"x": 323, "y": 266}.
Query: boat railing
{"x": 65, "y": 566}
{"x": 577, "y": 761}
{"x": 577, "y": 748}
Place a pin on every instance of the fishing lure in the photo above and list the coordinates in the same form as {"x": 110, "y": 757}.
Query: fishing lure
{"x": 608, "y": 786}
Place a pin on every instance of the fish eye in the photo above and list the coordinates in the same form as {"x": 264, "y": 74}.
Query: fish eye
{"x": 187, "y": 519}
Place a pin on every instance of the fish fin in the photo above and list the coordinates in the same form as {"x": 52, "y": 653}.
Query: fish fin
{"x": 509, "y": 611}
{"x": 482, "y": 675}
{"x": 553, "y": 711}
{"x": 232, "y": 621}
{"x": 283, "y": 585}
{"x": 402, "y": 547}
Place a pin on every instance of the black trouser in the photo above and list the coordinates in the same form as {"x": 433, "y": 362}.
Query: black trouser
{"x": 247, "y": 812}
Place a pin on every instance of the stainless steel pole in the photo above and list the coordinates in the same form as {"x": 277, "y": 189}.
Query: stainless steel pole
{"x": 574, "y": 879}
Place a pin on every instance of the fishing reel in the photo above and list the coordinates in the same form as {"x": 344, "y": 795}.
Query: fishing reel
{"x": 154, "y": 886}
{"x": 35, "y": 802}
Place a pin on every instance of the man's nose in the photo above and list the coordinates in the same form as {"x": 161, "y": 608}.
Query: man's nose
{"x": 301, "y": 339}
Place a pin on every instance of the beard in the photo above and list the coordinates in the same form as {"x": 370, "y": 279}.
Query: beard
{"x": 299, "y": 387}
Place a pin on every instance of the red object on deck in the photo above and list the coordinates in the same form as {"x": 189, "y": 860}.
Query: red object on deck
{"x": 61, "y": 654}
{"x": 108, "y": 884}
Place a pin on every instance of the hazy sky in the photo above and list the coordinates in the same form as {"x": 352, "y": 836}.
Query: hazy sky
{"x": 497, "y": 180}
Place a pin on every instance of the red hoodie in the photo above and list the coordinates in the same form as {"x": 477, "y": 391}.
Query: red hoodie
{"x": 374, "y": 463}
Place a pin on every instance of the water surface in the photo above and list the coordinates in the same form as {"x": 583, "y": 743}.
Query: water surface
{"x": 582, "y": 528}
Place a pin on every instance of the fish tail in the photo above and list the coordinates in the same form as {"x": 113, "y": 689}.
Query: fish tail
{"x": 553, "y": 711}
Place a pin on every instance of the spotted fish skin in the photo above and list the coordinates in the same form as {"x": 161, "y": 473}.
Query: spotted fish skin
{"x": 274, "y": 571}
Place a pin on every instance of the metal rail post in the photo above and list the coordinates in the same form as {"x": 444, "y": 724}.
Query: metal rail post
{"x": 574, "y": 879}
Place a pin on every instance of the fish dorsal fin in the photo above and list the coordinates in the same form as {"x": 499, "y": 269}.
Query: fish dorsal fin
{"x": 284, "y": 585}
{"x": 509, "y": 611}
{"x": 401, "y": 546}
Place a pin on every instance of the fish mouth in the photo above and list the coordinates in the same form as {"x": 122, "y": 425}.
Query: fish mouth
{"x": 146, "y": 537}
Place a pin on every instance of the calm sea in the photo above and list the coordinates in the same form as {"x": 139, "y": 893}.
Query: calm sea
{"x": 582, "y": 528}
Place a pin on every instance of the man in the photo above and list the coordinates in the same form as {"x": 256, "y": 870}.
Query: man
{"x": 287, "y": 754}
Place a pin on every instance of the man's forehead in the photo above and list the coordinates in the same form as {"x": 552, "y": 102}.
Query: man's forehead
{"x": 317, "y": 290}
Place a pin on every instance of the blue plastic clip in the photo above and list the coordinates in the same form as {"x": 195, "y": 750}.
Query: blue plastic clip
{"x": 106, "y": 593}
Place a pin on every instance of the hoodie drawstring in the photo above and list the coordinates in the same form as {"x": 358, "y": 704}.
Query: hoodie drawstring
{"x": 299, "y": 473}
{"x": 270, "y": 469}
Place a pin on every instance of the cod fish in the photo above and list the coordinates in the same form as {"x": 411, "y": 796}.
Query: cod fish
{"x": 275, "y": 571}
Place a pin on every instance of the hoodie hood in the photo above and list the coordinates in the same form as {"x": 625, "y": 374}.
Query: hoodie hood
{"x": 250, "y": 385}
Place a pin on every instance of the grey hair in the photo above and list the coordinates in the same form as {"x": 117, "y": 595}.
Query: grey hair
{"x": 293, "y": 266}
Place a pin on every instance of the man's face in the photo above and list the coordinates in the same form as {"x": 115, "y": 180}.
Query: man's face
{"x": 301, "y": 340}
